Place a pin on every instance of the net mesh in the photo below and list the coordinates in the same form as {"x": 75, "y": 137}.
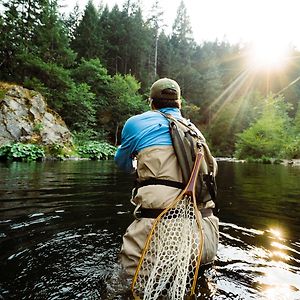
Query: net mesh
{"x": 169, "y": 264}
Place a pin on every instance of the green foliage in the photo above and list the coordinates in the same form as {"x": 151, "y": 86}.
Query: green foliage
{"x": 2, "y": 94}
{"x": 269, "y": 135}
{"x": 79, "y": 107}
{"x": 123, "y": 102}
{"x": 58, "y": 151}
{"x": 21, "y": 152}
{"x": 87, "y": 36}
{"x": 35, "y": 84}
{"x": 291, "y": 149}
{"x": 50, "y": 74}
{"x": 38, "y": 127}
{"x": 51, "y": 36}
{"x": 234, "y": 116}
{"x": 95, "y": 75}
{"x": 82, "y": 137}
{"x": 33, "y": 35}
{"x": 123, "y": 95}
{"x": 96, "y": 150}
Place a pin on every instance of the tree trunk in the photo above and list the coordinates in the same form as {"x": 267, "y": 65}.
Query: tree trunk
{"x": 116, "y": 134}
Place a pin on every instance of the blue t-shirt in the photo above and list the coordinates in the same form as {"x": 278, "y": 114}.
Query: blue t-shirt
{"x": 142, "y": 131}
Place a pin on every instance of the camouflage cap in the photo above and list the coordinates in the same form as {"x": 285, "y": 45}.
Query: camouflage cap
{"x": 166, "y": 89}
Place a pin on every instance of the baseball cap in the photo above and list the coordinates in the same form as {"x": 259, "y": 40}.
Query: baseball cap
{"x": 165, "y": 88}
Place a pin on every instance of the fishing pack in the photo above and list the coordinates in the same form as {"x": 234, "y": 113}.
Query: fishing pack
{"x": 187, "y": 140}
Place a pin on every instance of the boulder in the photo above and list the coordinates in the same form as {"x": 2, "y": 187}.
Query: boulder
{"x": 25, "y": 117}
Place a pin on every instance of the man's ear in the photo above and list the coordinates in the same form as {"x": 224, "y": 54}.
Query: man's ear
{"x": 179, "y": 102}
{"x": 151, "y": 104}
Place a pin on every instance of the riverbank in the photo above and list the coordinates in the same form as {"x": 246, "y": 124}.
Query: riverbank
{"x": 286, "y": 162}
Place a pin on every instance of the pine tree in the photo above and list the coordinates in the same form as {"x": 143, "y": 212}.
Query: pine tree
{"x": 113, "y": 36}
{"x": 18, "y": 24}
{"x": 127, "y": 41}
{"x": 182, "y": 51}
{"x": 155, "y": 22}
{"x": 72, "y": 21}
{"x": 87, "y": 40}
{"x": 51, "y": 36}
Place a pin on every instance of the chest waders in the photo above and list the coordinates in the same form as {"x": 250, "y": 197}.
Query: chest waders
{"x": 170, "y": 261}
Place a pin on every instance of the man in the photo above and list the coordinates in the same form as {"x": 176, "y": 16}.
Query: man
{"x": 146, "y": 138}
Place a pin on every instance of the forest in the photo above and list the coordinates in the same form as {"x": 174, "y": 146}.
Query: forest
{"x": 95, "y": 68}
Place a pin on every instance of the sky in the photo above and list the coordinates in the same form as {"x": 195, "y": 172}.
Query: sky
{"x": 276, "y": 22}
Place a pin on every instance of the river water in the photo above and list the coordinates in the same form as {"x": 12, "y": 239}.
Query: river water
{"x": 61, "y": 226}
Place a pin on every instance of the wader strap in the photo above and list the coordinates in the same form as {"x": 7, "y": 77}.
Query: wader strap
{"x": 156, "y": 181}
{"x": 153, "y": 213}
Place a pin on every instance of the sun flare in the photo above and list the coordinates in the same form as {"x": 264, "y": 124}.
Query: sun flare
{"x": 268, "y": 54}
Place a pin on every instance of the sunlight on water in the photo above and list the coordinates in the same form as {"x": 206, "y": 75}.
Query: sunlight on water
{"x": 277, "y": 233}
{"x": 279, "y": 281}
{"x": 280, "y": 255}
{"x": 283, "y": 292}
{"x": 257, "y": 258}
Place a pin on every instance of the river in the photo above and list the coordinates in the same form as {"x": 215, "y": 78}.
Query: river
{"x": 61, "y": 227}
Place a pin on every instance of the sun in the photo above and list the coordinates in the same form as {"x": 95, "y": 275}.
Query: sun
{"x": 268, "y": 54}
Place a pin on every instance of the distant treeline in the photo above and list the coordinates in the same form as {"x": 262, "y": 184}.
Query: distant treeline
{"x": 95, "y": 68}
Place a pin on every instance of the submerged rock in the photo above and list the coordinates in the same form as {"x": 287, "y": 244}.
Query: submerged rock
{"x": 25, "y": 117}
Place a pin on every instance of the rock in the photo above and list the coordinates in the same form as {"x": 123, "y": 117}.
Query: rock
{"x": 25, "y": 117}
{"x": 230, "y": 159}
{"x": 291, "y": 162}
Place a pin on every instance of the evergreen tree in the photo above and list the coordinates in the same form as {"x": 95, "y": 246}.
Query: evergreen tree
{"x": 51, "y": 36}
{"x": 164, "y": 57}
{"x": 155, "y": 22}
{"x": 141, "y": 36}
{"x": 95, "y": 75}
{"x": 182, "y": 50}
{"x": 87, "y": 42}
{"x": 113, "y": 36}
{"x": 127, "y": 41}
{"x": 72, "y": 21}
{"x": 182, "y": 34}
{"x": 18, "y": 24}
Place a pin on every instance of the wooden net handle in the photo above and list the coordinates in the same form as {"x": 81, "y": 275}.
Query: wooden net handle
{"x": 190, "y": 188}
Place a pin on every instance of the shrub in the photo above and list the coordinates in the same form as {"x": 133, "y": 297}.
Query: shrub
{"x": 21, "y": 152}
{"x": 83, "y": 137}
{"x": 96, "y": 150}
{"x": 269, "y": 135}
{"x": 292, "y": 149}
{"x": 59, "y": 151}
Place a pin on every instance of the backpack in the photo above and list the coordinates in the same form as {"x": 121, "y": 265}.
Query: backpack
{"x": 187, "y": 140}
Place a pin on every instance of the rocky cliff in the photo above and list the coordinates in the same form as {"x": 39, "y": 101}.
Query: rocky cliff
{"x": 25, "y": 117}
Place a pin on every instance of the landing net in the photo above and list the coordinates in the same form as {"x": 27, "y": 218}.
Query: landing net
{"x": 170, "y": 261}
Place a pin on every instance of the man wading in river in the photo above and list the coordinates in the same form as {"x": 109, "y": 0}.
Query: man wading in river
{"x": 162, "y": 176}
